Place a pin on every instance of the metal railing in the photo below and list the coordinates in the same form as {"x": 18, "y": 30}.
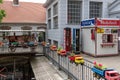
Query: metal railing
{"x": 74, "y": 72}
{"x": 16, "y": 49}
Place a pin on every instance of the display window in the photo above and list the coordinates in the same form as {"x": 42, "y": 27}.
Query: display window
{"x": 107, "y": 38}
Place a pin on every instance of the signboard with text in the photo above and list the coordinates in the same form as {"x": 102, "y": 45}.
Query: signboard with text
{"x": 90, "y": 22}
{"x": 100, "y": 22}
{"x": 104, "y": 22}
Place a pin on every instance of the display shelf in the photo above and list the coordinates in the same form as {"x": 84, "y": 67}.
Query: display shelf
{"x": 107, "y": 44}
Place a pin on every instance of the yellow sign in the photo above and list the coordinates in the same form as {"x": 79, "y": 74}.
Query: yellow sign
{"x": 100, "y": 30}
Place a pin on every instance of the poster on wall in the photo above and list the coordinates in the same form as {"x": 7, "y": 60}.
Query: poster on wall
{"x": 114, "y": 31}
{"x": 107, "y": 30}
{"x": 115, "y": 38}
{"x": 100, "y": 30}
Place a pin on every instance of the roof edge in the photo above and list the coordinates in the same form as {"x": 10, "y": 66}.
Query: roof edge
{"x": 113, "y": 4}
{"x": 22, "y": 23}
{"x": 47, "y": 3}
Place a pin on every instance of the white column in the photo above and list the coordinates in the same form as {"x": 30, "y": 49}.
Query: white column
{"x": 85, "y": 9}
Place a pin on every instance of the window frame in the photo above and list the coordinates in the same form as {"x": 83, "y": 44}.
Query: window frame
{"x": 55, "y": 9}
{"x": 74, "y": 12}
{"x": 49, "y": 24}
{"x": 96, "y": 9}
{"x": 49, "y": 13}
{"x": 55, "y": 22}
{"x": 105, "y": 38}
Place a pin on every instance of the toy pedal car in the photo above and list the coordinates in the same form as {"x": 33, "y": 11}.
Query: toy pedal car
{"x": 79, "y": 60}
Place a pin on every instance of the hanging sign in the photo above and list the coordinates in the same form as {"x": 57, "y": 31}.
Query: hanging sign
{"x": 90, "y": 22}
{"x": 101, "y": 22}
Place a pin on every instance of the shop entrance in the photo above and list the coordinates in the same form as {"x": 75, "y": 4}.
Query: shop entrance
{"x": 76, "y": 39}
{"x": 119, "y": 40}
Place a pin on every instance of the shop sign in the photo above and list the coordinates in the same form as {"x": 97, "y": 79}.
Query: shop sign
{"x": 100, "y": 30}
{"x": 107, "y": 31}
{"x": 114, "y": 30}
{"x": 108, "y": 22}
{"x": 88, "y": 22}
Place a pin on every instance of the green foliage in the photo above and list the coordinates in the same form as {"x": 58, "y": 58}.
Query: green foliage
{"x": 59, "y": 48}
{"x": 2, "y": 13}
{"x": 1, "y": 1}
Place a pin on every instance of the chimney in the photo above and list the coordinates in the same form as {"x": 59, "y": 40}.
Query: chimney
{"x": 16, "y": 2}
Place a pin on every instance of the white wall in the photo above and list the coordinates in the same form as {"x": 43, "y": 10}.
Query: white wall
{"x": 54, "y": 34}
{"x": 88, "y": 45}
{"x": 106, "y": 50}
{"x": 85, "y": 9}
{"x": 57, "y": 34}
{"x": 114, "y": 10}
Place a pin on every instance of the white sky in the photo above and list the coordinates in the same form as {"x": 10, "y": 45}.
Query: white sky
{"x": 36, "y": 1}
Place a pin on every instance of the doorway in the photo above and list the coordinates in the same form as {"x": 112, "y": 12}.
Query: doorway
{"x": 76, "y": 39}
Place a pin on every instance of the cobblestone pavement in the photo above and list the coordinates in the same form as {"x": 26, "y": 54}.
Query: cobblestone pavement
{"x": 110, "y": 62}
{"x": 45, "y": 70}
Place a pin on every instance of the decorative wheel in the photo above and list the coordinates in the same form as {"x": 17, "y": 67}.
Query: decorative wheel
{"x": 94, "y": 74}
{"x": 82, "y": 63}
{"x": 1, "y": 74}
{"x": 97, "y": 76}
{"x": 12, "y": 48}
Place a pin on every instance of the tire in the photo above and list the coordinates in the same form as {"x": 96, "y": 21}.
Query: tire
{"x": 82, "y": 63}
{"x": 94, "y": 74}
{"x": 97, "y": 76}
{"x": 12, "y": 49}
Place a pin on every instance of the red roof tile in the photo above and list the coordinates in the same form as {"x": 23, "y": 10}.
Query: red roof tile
{"x": 26, "y": 12}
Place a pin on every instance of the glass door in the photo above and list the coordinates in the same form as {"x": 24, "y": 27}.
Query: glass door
{"x": 77, "y": 39}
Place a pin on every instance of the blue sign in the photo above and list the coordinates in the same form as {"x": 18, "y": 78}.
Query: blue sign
{"x": 88, "y": 22}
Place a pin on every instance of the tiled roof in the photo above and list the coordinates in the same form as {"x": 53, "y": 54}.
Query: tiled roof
{"x": 25, "y": 12}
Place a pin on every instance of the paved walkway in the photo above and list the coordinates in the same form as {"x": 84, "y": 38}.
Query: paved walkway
{"x": 110, "y": 62}
{"x": 45, "y": 70}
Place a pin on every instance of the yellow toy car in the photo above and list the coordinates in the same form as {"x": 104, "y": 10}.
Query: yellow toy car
{"x": 79, "y": 60}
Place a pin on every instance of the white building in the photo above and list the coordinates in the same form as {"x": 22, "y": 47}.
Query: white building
{"x": 21, "y": 16}
{"x": 100, "y": 36}
{"x": 114, "y": 9}
{"x": 68, "y": 14}
{"x": 114, "y": 12}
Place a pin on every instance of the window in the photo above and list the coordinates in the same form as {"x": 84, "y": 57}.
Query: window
{"x": 49, "y": 13}
{"x": 107, "y": 38}
{"x": 55, "y": 43}
{"x": 55, "y": 9}
{"x": 95, "y": 9}
{"x": 16, "y": 2}
{"x": 74, "y": 11}
{"x": 49, "y": 24}
{"x": 55, "y": 20}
